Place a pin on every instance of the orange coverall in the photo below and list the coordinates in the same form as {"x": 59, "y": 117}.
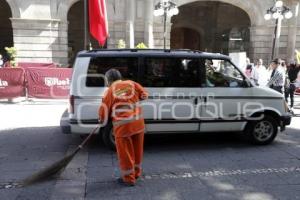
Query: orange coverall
{"x": 120, "y": 102}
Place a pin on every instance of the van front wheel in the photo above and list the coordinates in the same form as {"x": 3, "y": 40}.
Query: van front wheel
{"x": 108, "y": 137}
{"x": 262, "y": 131}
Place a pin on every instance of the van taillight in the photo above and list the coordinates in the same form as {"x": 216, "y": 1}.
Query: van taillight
{"x": 71, "y": 104}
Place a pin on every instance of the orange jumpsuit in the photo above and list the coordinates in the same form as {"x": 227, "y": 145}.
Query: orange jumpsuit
{"x": 120, "y": 103}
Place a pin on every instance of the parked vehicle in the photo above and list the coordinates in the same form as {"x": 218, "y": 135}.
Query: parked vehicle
{"x": 189, "y": 92}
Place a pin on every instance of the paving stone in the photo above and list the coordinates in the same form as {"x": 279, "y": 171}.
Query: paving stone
{"x": 9, "y": 194}
{"x": 66, "y": 189}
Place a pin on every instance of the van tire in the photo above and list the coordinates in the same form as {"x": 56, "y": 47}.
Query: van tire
{"x": 108, "y": 138}
{"x": 262, "y": 132}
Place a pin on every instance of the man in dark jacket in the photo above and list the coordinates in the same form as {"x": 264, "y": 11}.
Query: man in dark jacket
{"x": 292, "y": 73}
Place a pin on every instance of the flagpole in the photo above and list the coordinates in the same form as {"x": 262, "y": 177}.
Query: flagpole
{"x": 86, "y": 42}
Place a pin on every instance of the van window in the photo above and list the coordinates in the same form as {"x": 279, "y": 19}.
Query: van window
{"x": 170, "y": 72}
{"x": 128, "y": 66}
{"x": 221, "y": 73}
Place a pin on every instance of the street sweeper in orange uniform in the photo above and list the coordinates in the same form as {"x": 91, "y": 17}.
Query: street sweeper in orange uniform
{"x": 121, "y": 104}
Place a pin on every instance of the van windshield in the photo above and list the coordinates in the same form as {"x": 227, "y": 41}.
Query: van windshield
{"x": 98, "y": 66}
{"x": 221, "y": 73}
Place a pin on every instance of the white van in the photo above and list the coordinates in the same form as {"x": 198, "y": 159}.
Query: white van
{"x": 189, "y": 92}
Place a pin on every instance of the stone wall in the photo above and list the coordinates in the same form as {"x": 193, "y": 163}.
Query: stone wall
{"x": 40, "y": 40}
{"x": 40, "y": 27}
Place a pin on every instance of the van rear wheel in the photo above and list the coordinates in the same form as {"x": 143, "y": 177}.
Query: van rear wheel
{"x": 108, "y": 137}
{"x": 262, "y": 132}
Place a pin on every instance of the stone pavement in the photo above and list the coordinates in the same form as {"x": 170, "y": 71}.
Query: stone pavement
{"x": 211, "y": 166}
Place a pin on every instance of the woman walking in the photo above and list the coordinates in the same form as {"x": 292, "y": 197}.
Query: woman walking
{"x": 291, "y": 77}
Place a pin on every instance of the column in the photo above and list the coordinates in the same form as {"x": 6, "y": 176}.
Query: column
{"x": 40, "y": 40}
{"x": 277, "y": 37}
{"x": 292, "y": 31}
{"x": 130, "y": 22}
{"x": 148, "y": 30}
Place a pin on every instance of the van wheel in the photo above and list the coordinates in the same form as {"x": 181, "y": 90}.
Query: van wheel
{"x": 262, "y": 132}
{"x": 108, "y": 137}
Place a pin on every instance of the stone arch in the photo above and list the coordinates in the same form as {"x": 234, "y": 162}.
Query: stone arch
{"x": 75, "y": 31}
{"x": 6, "y": 34}
{"x": 217, "y": 18}
{"x": 14, "y": 8}
{"x": 75, "y": 19}
{"x": 63, "y": 9}
{"x": 251, "y": 8}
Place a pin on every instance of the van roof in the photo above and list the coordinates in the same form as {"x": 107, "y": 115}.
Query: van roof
{"x": 152, "y": 52}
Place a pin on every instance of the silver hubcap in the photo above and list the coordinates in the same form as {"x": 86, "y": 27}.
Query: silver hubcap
{"x": 263, "y": 131}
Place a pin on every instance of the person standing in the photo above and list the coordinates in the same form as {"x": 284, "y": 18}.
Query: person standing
{"x": 276, "y": 80}
{"x": 252, "y": 74}
{"x": 121, "y": 103}
{"x": 262, "y": 73}
{"x": 290, "y": 88}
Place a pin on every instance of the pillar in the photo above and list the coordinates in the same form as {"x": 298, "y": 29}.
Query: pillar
{"x": 148, "y": 30}
{"x": 292, "y": 31}
{"x": 130, "y": 22}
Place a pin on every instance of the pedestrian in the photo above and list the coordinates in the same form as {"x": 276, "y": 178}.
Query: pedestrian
{"x": 262, "y": 73}
{"x": 276, "y": 80}
{"x": 121, "y": 104}
{"x": 252, "y": 74}
{"x": 1, "y": 61}
{"x": 290, "y": 83}
{"x": 283, "y": 65}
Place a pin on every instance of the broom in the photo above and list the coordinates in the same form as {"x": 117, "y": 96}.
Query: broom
{"x": 56, "y": 167}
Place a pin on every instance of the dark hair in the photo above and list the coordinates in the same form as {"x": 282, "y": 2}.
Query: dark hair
{"x": 292, "y": 65}
{"x": 276, "y": 61}
{"x": 113, "y": 75}
{"x": 249, "y": 67}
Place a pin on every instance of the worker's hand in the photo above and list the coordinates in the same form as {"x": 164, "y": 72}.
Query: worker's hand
{"x": 144, "y": 96}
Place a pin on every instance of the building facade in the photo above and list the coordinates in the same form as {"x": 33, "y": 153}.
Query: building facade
{"x": 53, "y": 30}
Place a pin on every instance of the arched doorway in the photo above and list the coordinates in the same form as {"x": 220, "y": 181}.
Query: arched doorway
{"x": 180, "y": 39}
{"x": 225, "y": 26}
{"x": 6, "y": 33}
{"x": 76, "y": 31}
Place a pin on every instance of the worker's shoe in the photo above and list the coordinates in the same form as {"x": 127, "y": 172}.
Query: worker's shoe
{"x": 122, "y": 182}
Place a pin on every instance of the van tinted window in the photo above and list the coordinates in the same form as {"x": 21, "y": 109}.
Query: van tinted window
{"x": 128, "y": 66}
{"x": 170, "y": 72}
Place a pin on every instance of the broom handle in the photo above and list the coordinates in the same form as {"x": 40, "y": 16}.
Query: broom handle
{"x": 88, "y": 138}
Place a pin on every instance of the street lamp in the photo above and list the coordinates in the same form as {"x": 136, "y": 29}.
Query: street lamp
{"x": 277, "y": 12}
{"x": 165, "y": 8}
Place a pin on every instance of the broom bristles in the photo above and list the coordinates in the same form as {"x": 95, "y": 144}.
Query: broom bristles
{"x": 56, "y": 167}
{"x": 49, "y": 171}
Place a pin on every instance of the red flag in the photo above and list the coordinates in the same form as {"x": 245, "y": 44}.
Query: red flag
{"x": 98, "y": 20}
